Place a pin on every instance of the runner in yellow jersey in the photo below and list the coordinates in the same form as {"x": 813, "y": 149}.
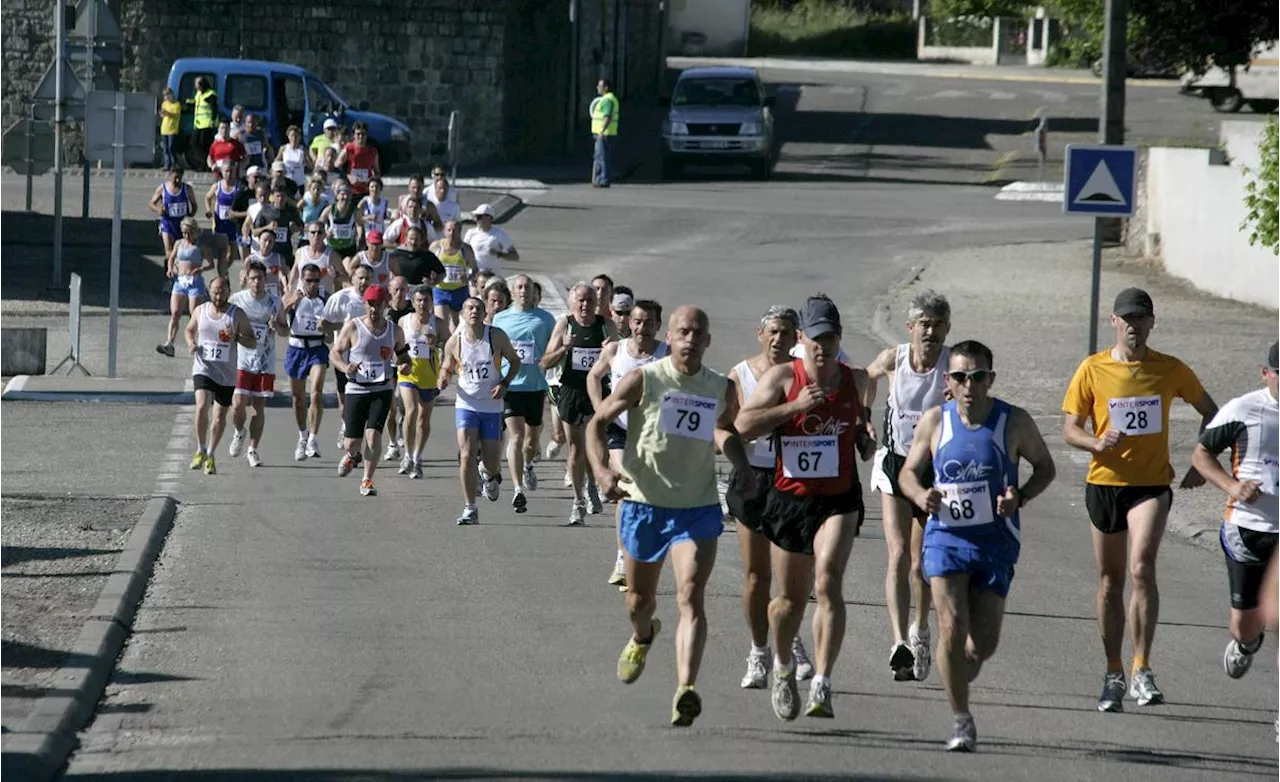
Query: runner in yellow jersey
{"x": 418, "y": 388}
{"x": 1127, "y": 390}
{"x": 459, "y": 267}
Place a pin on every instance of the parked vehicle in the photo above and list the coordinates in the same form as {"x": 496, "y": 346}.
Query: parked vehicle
{"x": 718, "y": 115}
{"x": 1229, "y": 89}
{"x": 281, "y": 95}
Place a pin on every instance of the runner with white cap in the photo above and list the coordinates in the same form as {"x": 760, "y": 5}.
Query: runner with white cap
{"x": 490, "y": 242}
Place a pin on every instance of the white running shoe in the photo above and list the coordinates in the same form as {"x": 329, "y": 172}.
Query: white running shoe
{"x": 342, "y": 438}
{"x": 393, "y": 451}
{"x": 1237, "y": 659}
{"x": 346, "y": 465}
{"x": 552, "y": 449}
{"x": 1143, "y": 688}
{"x": 757, "y": 676}
{"x": 619, "y": 575}
{"x": 254, "y": 461}
{"x": 405, "y": 463}
{"x": 530, "y": 478}
{"x": 594, "y": 505}
{"x": 470, "y": 515}
{"x": 964, "y": 738}
{"x": 568, "y": 479}
{"x": 804, "y": 666}
{"x": 313, "y": 448}
{"x": 415, "y": 469}
{"x": 577, "y": 515}
{"x": 237, "y": 443}
{"x": 490, "y": 487}
{"x": 918, "y": 639}
{"x": 300, "y": 452}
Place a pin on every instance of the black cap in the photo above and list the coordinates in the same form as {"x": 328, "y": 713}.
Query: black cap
{"x": 1133, "y": 301}
{"x": 1273, "y": 357}
{"x": 820, "y": 317}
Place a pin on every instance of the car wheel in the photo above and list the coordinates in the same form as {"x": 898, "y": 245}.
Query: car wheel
{"x": 1227, "y": 100}
{"x": 1263, "y": 106}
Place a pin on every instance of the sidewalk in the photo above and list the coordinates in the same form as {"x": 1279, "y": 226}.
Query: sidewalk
{"x": 1029, "y": 304}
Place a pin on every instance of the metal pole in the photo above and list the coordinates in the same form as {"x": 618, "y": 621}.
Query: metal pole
{"x": 1095, "y": 284}
{"x": 117, "y": 148}
{"x": 572, "y": 109}
{"x": 31, "y": 121}
{"x": 91, "y": 63}
{"x": 1114, "y": 68}
{"x": 59, "y": 55}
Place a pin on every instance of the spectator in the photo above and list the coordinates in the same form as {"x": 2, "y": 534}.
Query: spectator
{"x": 170, "y": 116}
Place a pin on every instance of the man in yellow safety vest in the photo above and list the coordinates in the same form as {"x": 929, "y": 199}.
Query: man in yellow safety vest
{"x": 205, "y": 117}
{"x": 604, "y": 128}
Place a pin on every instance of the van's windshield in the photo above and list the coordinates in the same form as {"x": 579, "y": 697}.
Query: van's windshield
{"x": 716, "y": 92}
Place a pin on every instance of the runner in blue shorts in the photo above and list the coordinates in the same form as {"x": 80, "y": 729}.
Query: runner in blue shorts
{"x": 306, "y": 360}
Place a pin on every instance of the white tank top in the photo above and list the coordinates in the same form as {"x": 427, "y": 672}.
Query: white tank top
{"x": 910, "y": 395}
{"x": 273, "y": 263}
{"x": 418, "y": 335}
{"x": 371, "y": 356}
{"x": 216, "y": 345}
{"x": 478, "y": 375}
{"x": 303, "y": 256}
{"x": 295, "y": 166}
{"x": 760, "y": 451}
{"x": 261, "y": 314}
{"x": 623, "y": 362}
{"x": 375, "y": 214}
{"x": 305, "y": 325}
{"x": 381, "y": 269}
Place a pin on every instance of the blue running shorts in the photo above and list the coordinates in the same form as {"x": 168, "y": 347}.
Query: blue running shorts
{"x": 985, "y": 573}
{"x": 649, "y": 531}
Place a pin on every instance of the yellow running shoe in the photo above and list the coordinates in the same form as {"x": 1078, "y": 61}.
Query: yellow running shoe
{"x": 210, "y": 467}
{"x": 631, "y": 661}
{"x": 197, "y": 460}
{"x": 686, "y": 707}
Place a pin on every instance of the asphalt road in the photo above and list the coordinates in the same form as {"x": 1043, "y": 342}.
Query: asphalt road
{"x": 296, "y": 630}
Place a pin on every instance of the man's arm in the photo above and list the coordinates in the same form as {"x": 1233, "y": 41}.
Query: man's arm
{"x": 726, "y": 436}
{"x": 865, "y": 439}
{"x": 507, "y": 351}
{"x": 595, "y": 378}
{"x": 763, "y": 412}
{"x": 1075, "y": 435}
{"x": 157, "y": 201}
{"x": 627, "y": 395}
{"x": 193, "y": 329}
{"x": 281, "y": 322}
{"x": 883, "y": 366}
{"x": 403, "y": 362}
{"x": 558, "y": 345}
{"x": 1223, "y": 432}
{"x": 450, "y": 363}
{"x": 208, "y": 200}
{"x": 1028, "y": 444}
{"x": 340, "y": 346}
{"x": 919, "y": 458}
{"x": 1207, "y": 409}
{"x": 610, "y": 332}
{"x": 244, "y": 330}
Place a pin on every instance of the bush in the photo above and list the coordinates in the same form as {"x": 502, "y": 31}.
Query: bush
{"x": 829, "y": 29}
{"x": 1262, "y": 194}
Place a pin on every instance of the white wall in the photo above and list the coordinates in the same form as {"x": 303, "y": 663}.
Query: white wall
{"x": 1194, "y": 212}
{"x": 724, "y": 22}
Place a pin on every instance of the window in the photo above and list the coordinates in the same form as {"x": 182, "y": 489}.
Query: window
{"x": 291, "y": 102}
{"x": 716, "y": 92}
{"x": 187, "y": 86}
{"x": 321, "y": 102}
{"x": 247, "y": 91}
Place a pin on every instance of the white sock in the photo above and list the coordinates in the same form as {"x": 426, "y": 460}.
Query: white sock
{"x": 788, "y": 668}
{"x": 302, "y": 435}
{"x": 820, "y": 679}
{"x": 759, "y": 651}
{"x": 311, "y": 438}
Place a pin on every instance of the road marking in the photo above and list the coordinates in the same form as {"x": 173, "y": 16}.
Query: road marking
{"x": 997, "y": 95}
{"x": 950, "y": 94}
{"x": 1051, "y": 96}
{"x": 16, "y": 384}
{"x": 845, "y": 90}
{"x": 1031, "y": 191}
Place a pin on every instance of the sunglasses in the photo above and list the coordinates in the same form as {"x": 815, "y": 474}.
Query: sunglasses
{"x": 976, "y": 376}
{"x": 311, "y": 279}
{"x": 315, "y": 233}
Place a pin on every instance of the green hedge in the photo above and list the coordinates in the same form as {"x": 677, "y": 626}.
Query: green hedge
{"x": 830, "y": 29}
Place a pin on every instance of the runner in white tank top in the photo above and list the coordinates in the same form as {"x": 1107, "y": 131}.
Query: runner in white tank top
{"x": 216, "y": 329}
{"x": 374, "y": 208}
{"x": 916, "y": 370}
{"x": 321, "y": 256}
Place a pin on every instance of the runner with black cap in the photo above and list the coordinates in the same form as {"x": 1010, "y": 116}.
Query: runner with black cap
{"x": 1249, "y": 425}
{"x": 1126, "y": 390}
{"x": 812, "y": 408}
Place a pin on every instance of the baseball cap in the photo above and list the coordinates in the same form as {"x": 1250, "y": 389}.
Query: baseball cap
{"x": 1273, "y": 357}
{"x": 330, "y": 124}
{"x": 253, "y": 171}
{"x": 483, "y": 209}
{"x": 820, "y": 317}
{"x": 1133, "y": 301}
{"x": 277, "y": 166}
{"x": 373, "y": 237}
{"x": 622, "y": 302}
{"x": 375, "y": 293}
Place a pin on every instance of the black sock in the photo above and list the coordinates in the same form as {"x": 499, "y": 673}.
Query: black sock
{"x": 1254, "y": 645}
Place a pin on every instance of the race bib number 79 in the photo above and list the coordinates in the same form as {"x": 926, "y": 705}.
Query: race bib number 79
{"x": 686, "y": 415}
{"x": 1136, "y": 414}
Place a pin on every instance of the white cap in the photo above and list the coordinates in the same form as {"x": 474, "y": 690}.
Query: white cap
{"x": 278, "y": 166}
{"x": 330, "y": 123}
{"x": 483, "y": 209}
{"x": 253, "y": 171}
{"x": 622, "y": 302}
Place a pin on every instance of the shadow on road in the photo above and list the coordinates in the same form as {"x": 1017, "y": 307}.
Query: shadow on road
{"x": 337, "y": 775}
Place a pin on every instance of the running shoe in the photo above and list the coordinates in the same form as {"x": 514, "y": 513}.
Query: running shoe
{"x": 367, "y": 489}
{"x": 210, "y": 466}
{"x": 819, "y": 700}
{"x": 165, "y": 349}
{"x": 918, "y": 639}
{"x": 553, "y": 449}
{"x": 964, "y": 737}
{"x": 237, "y": 443}
{"x": 392, "y": 452}
{"x": 619, "y": 575}
{"x": 901, "y": 662}
{"x": 197, "y": 460}
{"x": 313, "y": 448}
{"x": 568, "y": 479}
{"x": 518, "y": 501}
{"x": 415, "y": 469}
{"x": 490, "y": 487}
{"x": 300, "y": 452}
{"x": 757, "y": 676}
{"x": 405, "y": 462}
{"x": 786, "y": 698}
{"x": 1236, "y": 660}
{"x": 254, "y": 460}
{"x": 530, "y": 478}
{"x": 342, "y": 438}
{"x": 1112, "y": 698}
{"x": 469, "y": 516}
{"x": 804, "y": 666}
{"x": 577, "y": 516}
{"x": 1143, "y": 688}
{"x": 631, "y": 661}
{"x": 594, "y": 505}
{"x": 346, "y": 465}
{"x": 686, "y": 707}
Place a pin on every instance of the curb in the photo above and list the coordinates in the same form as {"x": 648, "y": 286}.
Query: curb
{"x": 47, "y": 739}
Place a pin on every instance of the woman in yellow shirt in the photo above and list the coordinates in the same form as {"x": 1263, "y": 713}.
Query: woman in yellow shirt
{"x": 170, "y": 114}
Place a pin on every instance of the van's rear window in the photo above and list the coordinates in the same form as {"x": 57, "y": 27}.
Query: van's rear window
{"x": 247, "y": 91}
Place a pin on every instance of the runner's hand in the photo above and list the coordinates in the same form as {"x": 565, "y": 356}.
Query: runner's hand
{"x": 443, "y": 382}
{"x": 932, "y": 501}
{"x": 810, "y": 397}
{"x": 610, "y": 484}
{"x": 1109, "y": 439}
{"x": 866, "y": 442}
{"x": 1007, "y": 504}
{"x": 498, "y": 390}
{"x": 1244, "y": 491}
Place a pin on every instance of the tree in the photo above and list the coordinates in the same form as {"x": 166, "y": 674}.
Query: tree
{"x": 1262, "y": 193}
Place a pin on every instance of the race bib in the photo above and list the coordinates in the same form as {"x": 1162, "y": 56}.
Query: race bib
{"x": 1270, "y": 477}
{"x": 686, "y": 415}
{"x": 215, "y": 351}
{"x": 966, "y": 504}
{"x": 374, "y": 225}
{"x": 360, "y": 174}
{"x": 525, "y": 349}
{"x": 309, "y": 325}
{"x": 282, "y": 234}
{"x": 178, "y": 208}
{"x": 259, "y": 333}
{"x": 371, "y": 373}
{"x": 253, "y": 148}
{"x": 341, "y": 231}
{"x": 1136, "y": 414}
{"x": 811, "y": 457}
{"x": 419, "y": 347}
{"x": 224, "y": 212}
{"x": 763, "y": 449}
{"x": 273, "y": 287}
{"x": 583, "y": 359}
{"x": 455, "y": 273}
{"x": 477, "y": 373}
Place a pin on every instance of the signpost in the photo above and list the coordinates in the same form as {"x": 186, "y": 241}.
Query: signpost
{"x": 121, "y": 127}
{"x": 1099, "y": 180}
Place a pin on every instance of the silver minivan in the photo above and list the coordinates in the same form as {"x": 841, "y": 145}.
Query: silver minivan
{"x": 718, "y": 115}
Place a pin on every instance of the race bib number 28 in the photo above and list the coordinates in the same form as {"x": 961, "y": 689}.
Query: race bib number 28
{"x": 1136, "y": 414}
{"x": 686, "y": 415}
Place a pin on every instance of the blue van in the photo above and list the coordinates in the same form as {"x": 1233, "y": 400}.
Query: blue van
{"x": 281, "y": 95}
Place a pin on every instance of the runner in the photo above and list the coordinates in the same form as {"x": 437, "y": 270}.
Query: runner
{"x": 916, "y": 371}
{"x": 294, "y": 156}
{"x": 474, "y": 353}
{"x": 972, "y": 538}
{"x": 220, "y": 204}
{"x": 603, "y": 286}
{"x": 315, "y": 201}
{"x": 372, "y": 341}
{"x": 620, "y": 306}
{"x": 373, "y": 209}
{"x": 433, "y": 193}
{"x": 616, "y": 361}
{"x": 280, "y": 179}
{"x": 439, "y": 196}
{"x": 680, "y": 413}
{"x": 186, "y": 266}
{"x": 316, "y": 252}
{"x": 811, "y": 408}
{"x": 415, "y": 192}
{"x": 306, "y": 360}
{"x": 329, "y": 138}
{"x": 342, "y": 224}
{"x": 173, "y": 201}
{"x": 1126, "y": 390}
{"x": 283, "y": 218}
{"x": 490, "y": 243}
{"x": 257, "y": 147}
{"x": 398, "y": 305}
{"x": 265, "y": 253}
{"x": 360, "y": 159}
{"x": 575, "y": 346}
{"x": 215, "y": 329}
{"x": 415, "y": 263}
{"x": 459, "y": 267}
{"x": 343, "y": 307}
{"x": 1249, "y": 425}
{"x": 777, "y": 335}
{"x": 417, "y": 387}
{"x": 497, "y": 297}
{"x": 373, "y": 256}
{"x": 411, "y": 216}
{"x": 255, "y": 375}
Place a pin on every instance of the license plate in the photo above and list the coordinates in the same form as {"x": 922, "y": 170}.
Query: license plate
{"x": 716, "y": 144}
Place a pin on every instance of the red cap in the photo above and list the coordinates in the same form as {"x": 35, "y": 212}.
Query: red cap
{"x": 375, "y": 294}
{"x": 373, "y": 237}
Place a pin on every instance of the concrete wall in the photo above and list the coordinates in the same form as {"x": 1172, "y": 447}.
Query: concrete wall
{"x": 1193, "y": 216}
{"x": 974, "y": 55}
{"x": 724, "y": 22}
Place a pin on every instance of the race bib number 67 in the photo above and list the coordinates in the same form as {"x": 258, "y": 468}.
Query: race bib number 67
{"x": 686, "y": 415}
{"x": 1136, "y": 414}
{"x": 811, "y": 457}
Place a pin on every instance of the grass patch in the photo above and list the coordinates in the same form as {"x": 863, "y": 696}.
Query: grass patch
{"x": 826, "y": 28}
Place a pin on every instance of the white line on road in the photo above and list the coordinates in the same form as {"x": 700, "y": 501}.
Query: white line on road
{"x": 997, "y": 95}
{"x": 1031, "y": 191}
